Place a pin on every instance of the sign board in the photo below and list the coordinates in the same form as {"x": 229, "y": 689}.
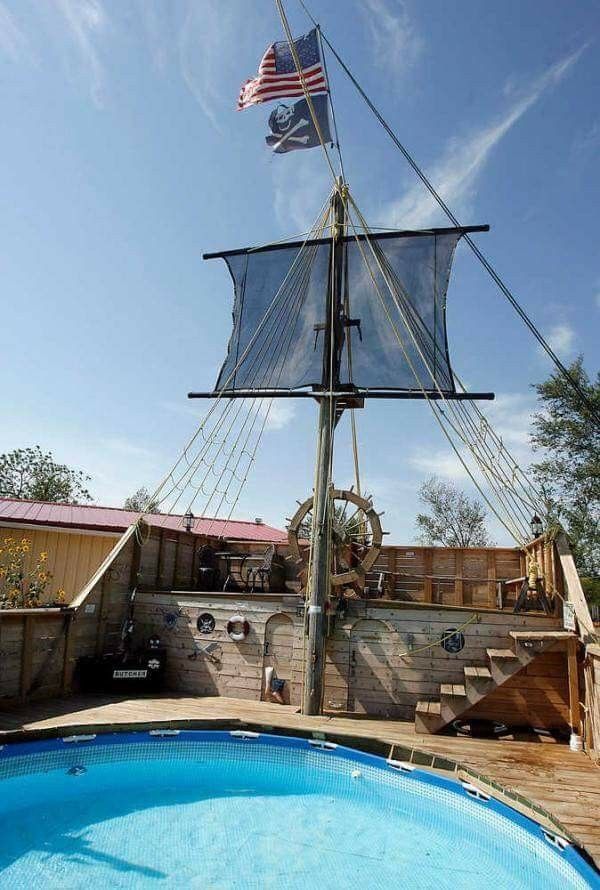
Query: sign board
{"x": 569, "y": 616}
{"x": 130, "y": 674}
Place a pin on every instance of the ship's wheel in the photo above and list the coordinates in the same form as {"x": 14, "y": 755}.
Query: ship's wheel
{"x": 356, "y": 536}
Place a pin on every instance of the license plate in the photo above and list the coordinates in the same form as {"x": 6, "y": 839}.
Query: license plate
{"x": 129, "y": 675}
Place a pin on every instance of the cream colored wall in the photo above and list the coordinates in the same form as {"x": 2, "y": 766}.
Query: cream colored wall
{"x": 72, "y": 557}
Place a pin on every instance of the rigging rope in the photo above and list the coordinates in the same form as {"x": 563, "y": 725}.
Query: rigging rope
{"x": 585, "y": 401}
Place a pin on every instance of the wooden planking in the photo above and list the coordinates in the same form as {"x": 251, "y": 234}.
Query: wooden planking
{"x": 446, "y": 575}
{"x": 564, "y": 783}
{"x": 364, "y": 670}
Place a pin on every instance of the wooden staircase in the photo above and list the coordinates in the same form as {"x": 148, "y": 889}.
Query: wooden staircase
{"x": 479, "y": 681}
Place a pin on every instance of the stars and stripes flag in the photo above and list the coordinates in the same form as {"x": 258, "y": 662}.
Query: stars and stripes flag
{"x": 277, "y": 76}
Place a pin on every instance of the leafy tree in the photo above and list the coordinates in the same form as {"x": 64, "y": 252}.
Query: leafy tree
{"x": 140, "y": 500}
{"x": 568, "y": 435}
{"x": 30, "y": 474}
{"x": 453, "y": 519}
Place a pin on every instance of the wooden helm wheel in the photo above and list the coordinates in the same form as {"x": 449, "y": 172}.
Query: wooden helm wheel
{"x": 369, "y": 547}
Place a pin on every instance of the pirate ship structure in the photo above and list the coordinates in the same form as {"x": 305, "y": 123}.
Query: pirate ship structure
{"x": 344, "y": 316}
{"x": 438, "y": 636}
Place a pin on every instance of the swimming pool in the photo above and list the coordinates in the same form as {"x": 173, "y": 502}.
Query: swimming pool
{"x": 246, "y": 810}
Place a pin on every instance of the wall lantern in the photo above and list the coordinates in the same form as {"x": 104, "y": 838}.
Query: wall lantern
{"x": 536, "y": 526}
{"x": 188, "y": 521}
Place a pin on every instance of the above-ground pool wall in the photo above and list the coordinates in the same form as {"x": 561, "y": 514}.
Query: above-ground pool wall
{"x": 366, "y": 671}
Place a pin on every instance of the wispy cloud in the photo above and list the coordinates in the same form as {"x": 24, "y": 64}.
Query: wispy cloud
{"x": 393, "y": 35}
{"x": 297, "y": 198}
{"x": 441, "y": 463}
{"x": 586, "y": 144}
{"x": 127, "y": 448}
{"x": 455, "y": 174}
{"x": 209, "y": 31}
{"x": 279, "y": 415}
{"x": 13, "y": 42}
{"x": 561, "y": 338}
{"x": 157, "y": 28}
{"x": 86, "y": 21}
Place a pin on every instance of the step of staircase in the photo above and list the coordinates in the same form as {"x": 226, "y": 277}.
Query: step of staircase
{"x": 453, "y": 690}
{"x": 453, "y": 700}
{"x": 542, "y": 634}
{"x": 428, "y": 716}
{"x": 477, "y": 673}
{"x": 480, "y": 680}
{"x": 501, "y": 654}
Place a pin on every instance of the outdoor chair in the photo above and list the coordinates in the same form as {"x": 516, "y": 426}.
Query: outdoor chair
{"x": 262, "y": 571}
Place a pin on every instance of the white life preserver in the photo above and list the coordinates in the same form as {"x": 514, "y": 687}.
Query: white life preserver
{"x": 242, "y": 632}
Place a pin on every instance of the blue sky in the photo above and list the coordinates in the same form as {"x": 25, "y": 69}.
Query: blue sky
{"x": 123, "y": 159}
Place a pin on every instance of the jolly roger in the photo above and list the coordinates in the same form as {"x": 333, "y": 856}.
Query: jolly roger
{"x": 292, "y": 126}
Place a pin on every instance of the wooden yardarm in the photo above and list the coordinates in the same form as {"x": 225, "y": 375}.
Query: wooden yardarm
{"x": 320, "y": 563}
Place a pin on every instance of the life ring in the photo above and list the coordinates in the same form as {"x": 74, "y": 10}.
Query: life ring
{"x": 238, "y": 635}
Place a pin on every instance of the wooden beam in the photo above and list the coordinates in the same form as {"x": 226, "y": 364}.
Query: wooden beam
{"x": 193, "y": 565}
{"x": 159, "y": 560}
{"x": 102, "y": 615}
{"x": 136, "y": 560}
{"x": 428, "y": 572}
{"x": 491, "y": 573}
{"x": 26, "y": 656}
{"x": 574, "y": 706}
{"x": 575, "y": 594}
{"x": 175, "y": 561}
{"x": 65, "y": 683}
{"x": 458, "y": 580}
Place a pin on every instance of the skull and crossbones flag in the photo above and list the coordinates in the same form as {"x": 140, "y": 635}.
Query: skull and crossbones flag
{"x": 292, "y": 126}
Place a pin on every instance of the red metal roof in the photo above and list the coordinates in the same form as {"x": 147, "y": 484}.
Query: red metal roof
{"x": 112, "y": 519}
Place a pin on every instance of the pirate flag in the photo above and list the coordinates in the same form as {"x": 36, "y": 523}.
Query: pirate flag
{"x": 292, "y": 126}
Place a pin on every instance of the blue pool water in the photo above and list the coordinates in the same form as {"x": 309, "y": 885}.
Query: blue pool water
{"x": 212, "y": 810}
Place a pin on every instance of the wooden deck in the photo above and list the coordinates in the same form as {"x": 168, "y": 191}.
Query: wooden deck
{"x": 535, "y": 772}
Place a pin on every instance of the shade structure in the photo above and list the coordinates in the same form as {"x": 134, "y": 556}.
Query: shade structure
{"x": 393, "y": 318}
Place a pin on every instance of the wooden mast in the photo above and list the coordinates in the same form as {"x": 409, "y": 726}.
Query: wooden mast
{"x": 320, "y": 557}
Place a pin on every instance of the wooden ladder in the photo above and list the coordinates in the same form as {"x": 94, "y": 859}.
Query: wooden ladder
{"x": 480, "y": 680}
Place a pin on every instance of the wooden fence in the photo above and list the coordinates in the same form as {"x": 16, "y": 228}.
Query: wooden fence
{"x": 34, "y": 652}
{"x": 446, "y": 576}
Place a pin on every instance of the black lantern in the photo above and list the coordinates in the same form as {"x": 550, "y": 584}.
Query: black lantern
{"x": 188, "y": 521}
{"x": 536, "y": 526}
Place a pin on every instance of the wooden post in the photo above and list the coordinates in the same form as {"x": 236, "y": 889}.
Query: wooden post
{"x": 136, "y": 559}
{"x": 491, "y": 573}
{"x": 159, "y": 559}
{"x": 193, "y": 565}
{"x": 458, "y": 579}
{"x": 320, "y": 573}
{"x": 175, "y": 561}
{"x": 428, "y": 572}
{"x": 102, "y": 614}
{"x": 574, "y": 707}
{"x": 26, "y": 656}
{"x": 65, "y": 683}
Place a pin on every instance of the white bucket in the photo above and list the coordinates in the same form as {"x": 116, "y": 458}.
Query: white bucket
{"x": 575, "y": 742}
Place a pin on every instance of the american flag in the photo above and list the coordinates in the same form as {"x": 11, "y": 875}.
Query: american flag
{"x": 277, "y": 75}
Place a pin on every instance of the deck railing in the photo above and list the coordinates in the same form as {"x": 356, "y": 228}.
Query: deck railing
{"x": 446, "y": 576}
